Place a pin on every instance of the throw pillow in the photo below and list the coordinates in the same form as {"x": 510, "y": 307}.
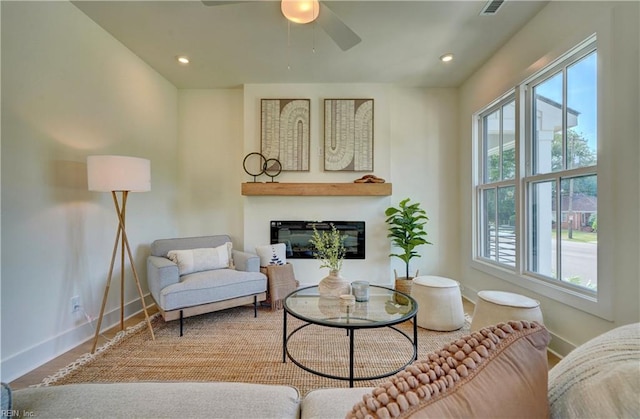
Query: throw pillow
{"x": 202, "y": 259}
{"x": 600, "y": 378}
{"x": 272, "y": 254}
{"x": 498, "y": 371}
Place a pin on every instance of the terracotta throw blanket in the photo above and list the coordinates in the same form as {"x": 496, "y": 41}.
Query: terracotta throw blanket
{"x": 281, "y": 282}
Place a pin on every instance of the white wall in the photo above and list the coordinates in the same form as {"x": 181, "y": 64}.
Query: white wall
{"x": 414, "y": 146}
{"x": 408, "y": 146}
{"x": 424, "y": 156}
{"x": 210, "y": 163}
{"x": 556, "y": 29}
{"x": 70, "y": 90}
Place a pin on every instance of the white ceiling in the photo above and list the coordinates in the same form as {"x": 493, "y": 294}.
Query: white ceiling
{"x": 251, "y": 42}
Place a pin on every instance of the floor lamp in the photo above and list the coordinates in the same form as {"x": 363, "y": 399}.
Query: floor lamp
{"x": 119, "y": 174}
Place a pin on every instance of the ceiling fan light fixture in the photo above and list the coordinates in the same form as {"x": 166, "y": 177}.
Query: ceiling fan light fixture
{"x": 300, "y": 11}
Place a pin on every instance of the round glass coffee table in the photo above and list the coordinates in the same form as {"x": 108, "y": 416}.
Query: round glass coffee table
{"x": 382, "y": 310}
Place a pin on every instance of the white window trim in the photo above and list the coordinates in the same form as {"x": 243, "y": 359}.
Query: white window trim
{"x": 598, "y": 304}
{"x": 496, "y": 105}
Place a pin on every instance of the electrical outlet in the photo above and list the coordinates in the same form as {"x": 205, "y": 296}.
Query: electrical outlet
{"x": 75, "y": 304}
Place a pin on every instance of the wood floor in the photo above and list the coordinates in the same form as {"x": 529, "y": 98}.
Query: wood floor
{"x": 51, "y": 367}
{"x": 36, "y": 376}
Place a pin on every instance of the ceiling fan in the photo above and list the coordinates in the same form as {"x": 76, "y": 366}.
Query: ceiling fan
{"x": 306, "y": 11}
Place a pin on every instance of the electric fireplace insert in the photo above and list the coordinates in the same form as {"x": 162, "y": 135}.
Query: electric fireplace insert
{"x": 296, "y": 235}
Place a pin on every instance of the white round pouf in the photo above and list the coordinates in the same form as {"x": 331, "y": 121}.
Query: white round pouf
{"x": 494, "y": 307}
{"x": 439, "y": 303}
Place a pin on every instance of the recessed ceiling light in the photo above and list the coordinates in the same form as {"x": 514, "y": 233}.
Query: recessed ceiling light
{"x": 182, "y": 59}
{"x": 446, "y": 57}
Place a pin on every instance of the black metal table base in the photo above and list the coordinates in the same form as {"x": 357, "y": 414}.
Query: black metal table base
{"x": 351, "y": 332}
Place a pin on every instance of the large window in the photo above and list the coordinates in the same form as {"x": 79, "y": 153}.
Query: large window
{"x": 497, "y": 191}
{"x": 536, "y": 190}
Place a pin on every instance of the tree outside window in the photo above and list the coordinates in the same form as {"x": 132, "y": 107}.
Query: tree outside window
{"x": 558, "y": 184}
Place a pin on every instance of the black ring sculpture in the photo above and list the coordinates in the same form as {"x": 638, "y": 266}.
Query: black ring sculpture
{"x": 274, "y": 169}
{"x": 264, "y": 165}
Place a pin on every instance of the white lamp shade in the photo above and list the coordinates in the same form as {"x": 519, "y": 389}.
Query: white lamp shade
{"x": 300, "y": 11}
{"x": 118, "y": 173}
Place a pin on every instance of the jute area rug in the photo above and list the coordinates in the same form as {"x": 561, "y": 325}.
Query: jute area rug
{"x": 232, "y": 345}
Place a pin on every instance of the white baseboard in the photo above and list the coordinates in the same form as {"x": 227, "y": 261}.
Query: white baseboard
{"x": 560, "y": 347}
{"x": 31, "y": 358}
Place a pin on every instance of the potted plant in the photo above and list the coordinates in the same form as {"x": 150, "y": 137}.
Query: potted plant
{"x": 328, "y": 247}
{"x": 406, "y": 230}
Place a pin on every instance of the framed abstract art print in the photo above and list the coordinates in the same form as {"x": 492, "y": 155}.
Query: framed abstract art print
{"x": 284, "y": 132}
{"x": 348, "y": 135}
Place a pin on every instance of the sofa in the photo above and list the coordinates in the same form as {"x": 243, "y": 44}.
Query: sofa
{"x": 196, "y": 275}
{"x": 508, "y": 378}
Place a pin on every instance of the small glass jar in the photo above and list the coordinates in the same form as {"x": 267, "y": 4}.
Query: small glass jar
{"x": 360, "y": 290}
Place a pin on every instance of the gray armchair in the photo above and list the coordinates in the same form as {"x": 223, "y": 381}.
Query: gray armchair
{"x": 179, "y": 296}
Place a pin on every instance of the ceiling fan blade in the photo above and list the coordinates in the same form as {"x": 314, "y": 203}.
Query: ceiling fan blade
{"x": 337, "y": 30}
{"x": 341, "y": 34}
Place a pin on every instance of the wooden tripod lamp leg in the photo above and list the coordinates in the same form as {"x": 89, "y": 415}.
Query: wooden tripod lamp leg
{"x": 121, "y": 237}
{"x": 125, "y": 242}
{"x": 106, "y": 290}
{"x": 121, "y": 227}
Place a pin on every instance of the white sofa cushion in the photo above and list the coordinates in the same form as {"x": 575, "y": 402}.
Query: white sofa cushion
{"x": 599, "y": 379}
{"x": 160, "y": 400}
{"x": 326, "y": 403}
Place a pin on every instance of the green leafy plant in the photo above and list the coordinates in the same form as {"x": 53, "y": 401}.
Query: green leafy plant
{"x": 329, "y": 248}
{"x": 406, "y": 230}
{"x": 593, "y": 221}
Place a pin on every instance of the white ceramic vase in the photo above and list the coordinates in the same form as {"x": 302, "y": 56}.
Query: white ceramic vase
{"x": 333, "y": 286}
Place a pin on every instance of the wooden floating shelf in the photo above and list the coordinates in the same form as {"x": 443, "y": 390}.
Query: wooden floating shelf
{"x": 316, "y": 189}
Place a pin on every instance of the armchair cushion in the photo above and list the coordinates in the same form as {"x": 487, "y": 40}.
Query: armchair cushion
{"x": 202, "y": 259}
{"x": 211, "y": 286}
